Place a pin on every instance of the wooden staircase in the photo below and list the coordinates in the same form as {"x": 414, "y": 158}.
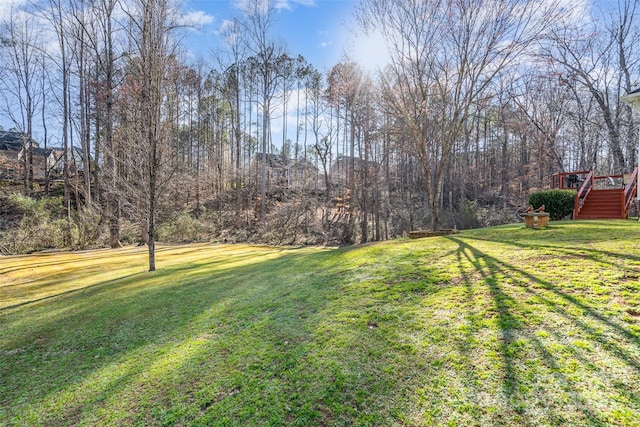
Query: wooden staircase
{"x": 602, "y": 204}
{"x": 599, "y": 197}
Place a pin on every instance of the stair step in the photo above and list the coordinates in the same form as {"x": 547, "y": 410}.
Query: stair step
{"x": 600, "y": 217}
{"x": 604, "y": 200}
{"x": 602, "y": 204}
{"x": 604, "y": 197}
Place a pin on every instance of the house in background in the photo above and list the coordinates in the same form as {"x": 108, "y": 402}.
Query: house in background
{"x": 13, "y": 153}
{"x": 44, "y": 159}
{"x": 13, "y": 149}
{"x": 345, "y": 167}
{"x": 286, "y": 173}
{"x": 75, "y": 159}
{"x": 10, "y": 145}
{"x": 275, "y": 167}
{"x": 302, "y": 174}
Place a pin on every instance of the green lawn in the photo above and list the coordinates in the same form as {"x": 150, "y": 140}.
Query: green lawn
{"x": 501, "y": 326}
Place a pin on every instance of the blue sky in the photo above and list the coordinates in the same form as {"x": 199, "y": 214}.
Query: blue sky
{"x": 319, "y": 30}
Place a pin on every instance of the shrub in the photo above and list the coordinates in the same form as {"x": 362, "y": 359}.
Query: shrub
{"x": 287, "y": 223}
{"x": 41, "y": 226}
{"x": 558, "y": 203}
{"x": 180, "y": 229}
{"x": 91, "y": 228}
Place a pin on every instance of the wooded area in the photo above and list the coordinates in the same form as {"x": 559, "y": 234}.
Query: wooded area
{"x": 483, "y": 101}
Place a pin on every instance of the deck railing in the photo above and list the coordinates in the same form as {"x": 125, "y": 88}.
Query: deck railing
{"x": 568, "y": 180}
{"x": 585, "y": 181}
{"x": 582, "y": 193}
{"x": 630, "y": 190}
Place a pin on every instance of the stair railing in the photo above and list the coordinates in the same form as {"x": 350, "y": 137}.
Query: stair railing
{"x": 582, "y": 194}
{"x": 567, "y": 180}
{"x": 630, "y": 191}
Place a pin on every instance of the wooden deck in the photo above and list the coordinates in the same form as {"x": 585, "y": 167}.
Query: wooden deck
{"x": 599, "y": 197}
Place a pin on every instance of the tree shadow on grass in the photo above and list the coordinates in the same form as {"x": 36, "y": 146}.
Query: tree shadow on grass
{"x": 78, "y": 272}
{"x": 512, "y": 322}
{"x": 66, "y": 357}
{"x": 598, "y": 255}
{"x": 569, "y": 238}
{"x": 566, "y": 250}
{"x": 304, "y": 339}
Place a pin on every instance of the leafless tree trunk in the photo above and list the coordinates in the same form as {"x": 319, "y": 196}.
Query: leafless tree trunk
{"x": 600, "y": 60}
{"x": 153, "y": 23}
{"x": 56, "y": 13}
{"x": 444, "y": 56}
{"x": 79, "y": 33}
{"x": 264, "y": 63}
{"x": 21, "y": 86}
{"x": 103, "y": 45}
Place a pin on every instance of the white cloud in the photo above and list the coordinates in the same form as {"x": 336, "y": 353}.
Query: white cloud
{"x": 196, "y": 19}
{"x": 326, "y": 39}
{"x": 6, "y": 6}
{"x": 230, "y": 31}
{"x": 247, "y": 5}
{"x": 288, "y": 4}
{"x": 228, "y": 26}
{"x": 282, "y": 4}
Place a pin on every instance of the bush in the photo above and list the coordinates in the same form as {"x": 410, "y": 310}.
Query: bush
{"x": 91, "y": 228}
{"x": 287, "y": 223}
{"x": 558, "y": 203}
{"x": 183, "y": 228}
{"x": 41, "y": 226}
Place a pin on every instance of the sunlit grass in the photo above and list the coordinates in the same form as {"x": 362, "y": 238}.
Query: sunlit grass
{"x": 502, "y": 326}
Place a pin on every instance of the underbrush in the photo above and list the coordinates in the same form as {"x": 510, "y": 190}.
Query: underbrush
{"x": 40, "y": 226}
{"x": 40, "y": 223}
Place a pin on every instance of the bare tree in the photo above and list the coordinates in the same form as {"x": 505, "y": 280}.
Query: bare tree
{"x": 80, "y": 46}
{"x": 236, "y": 55}
{"x": 601, "y": 58}
{"x": 444, "y": 56}
{"x": 20, "y": 87}
{"x": 96, "y": 33}
{"x": 153, "y": 21}
{"x": 321, "y": 126}
{"x": 265, "y": 63}
{"x": 57, "y": 13}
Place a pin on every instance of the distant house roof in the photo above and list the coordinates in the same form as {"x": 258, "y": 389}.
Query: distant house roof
{"x": 44, "y": 152}
{"x": 632, "y": 99}
{"x": 13, "y": 141}
{"x": 272, "y": 160}
{"x": 10, "y": 141}
{"x": 39, "y": 152}
{"x": 75, "y": 156}
{"x": 301, "y": 164}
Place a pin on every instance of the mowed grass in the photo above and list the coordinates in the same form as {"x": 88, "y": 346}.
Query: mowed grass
{"x": 502, "y": 326}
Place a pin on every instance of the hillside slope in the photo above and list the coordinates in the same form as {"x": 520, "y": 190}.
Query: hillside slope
{"x": 501, "y": 326}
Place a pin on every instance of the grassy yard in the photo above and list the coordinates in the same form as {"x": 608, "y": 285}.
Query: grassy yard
{"x": 501, "y": 326}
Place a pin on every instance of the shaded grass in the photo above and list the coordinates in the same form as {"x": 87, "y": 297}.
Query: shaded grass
{"x": 502, "y": 326}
